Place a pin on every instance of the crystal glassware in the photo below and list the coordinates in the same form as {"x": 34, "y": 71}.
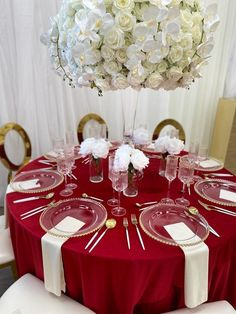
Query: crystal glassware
{"x": 69, "y": 152}
{"x": 194, "y": 153}
{"x": 119, "y": 183}
{"x": 64, "y": 167}
{"x": 112, "y": 201}
{"x": 170, "y": 174}
{"x": 185, "y": 174}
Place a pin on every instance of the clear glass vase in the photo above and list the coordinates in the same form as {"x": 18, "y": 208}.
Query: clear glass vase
{"x": 132, "y": 188}
{"x": 95, "y": 170}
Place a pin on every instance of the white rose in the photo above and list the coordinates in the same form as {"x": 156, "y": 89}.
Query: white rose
{"x": 186, "y": 41}
{"x": 175, "y": 2}
{"x": 121, "y": 55}
{"x": 103, "y": 84}
{"x": 86, "y": 146}
{"x": 112, "y": 67}
{"x": 154, "y": 80}
{"x": 186, "y": 19}
{"x": 186, "y": 80}
{"x": 160, "y": 144}
{"x": 122, "y": 158}
{"x": 123, "y": 4}
{"x": 114, "y": 38}
{"x": 140, "y": 136}
{"x": 175, "y": 73}
{"x": 139, "y": 9}
{"x": 134, "y": 79}
{"x": 100, "y": 148}
{"x": 120, "y": 81}
{"x": 149, "y": 67}
{"x": 176, "y": 54}
{"x": 107, "y": 53}
{"x": 139, "y": 160}
{"x": 174, "y": 146}
{"x": 125, "y": 21}
{"x": 162, "y": 66}
{"x": 190, "y": 2}
{"x": 197, "y": 18}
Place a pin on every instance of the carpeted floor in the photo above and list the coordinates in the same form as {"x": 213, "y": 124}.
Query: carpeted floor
{"x": 6, "y": 277}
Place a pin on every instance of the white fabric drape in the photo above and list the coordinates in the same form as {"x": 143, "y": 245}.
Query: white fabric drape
{"x": 36, "y": 98}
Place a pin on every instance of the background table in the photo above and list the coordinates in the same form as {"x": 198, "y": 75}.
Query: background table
{"x": 113, "y": 279}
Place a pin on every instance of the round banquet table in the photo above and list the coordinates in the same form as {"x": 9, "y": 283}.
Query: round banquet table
{"x": 112, "y": 279}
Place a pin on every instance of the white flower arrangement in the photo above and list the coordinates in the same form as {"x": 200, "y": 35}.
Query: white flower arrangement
{"x": 116, "y": 44}
{"x": 167, "y": 145}
{"x": 128, "y": 158}
{"x": 141, "y": 136}
{"x": 98, "y": 148}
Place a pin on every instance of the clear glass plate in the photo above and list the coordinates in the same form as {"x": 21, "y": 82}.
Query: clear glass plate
{"x": 92, "y": 213}
{"x": 210, "y": 190}
{"x": 153, "y": 220}
{"x": 36, "y": 181}
{"x": 211, "y": 169}
{"x": 51, "y": 156}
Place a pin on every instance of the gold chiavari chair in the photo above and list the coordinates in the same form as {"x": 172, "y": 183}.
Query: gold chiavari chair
{"x": 94, "y": 125}
{"x": 171, "y": 125}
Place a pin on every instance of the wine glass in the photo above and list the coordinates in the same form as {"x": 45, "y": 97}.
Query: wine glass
{"x": 170, "y": 174}
{"x": 119, "y": 183}
{"x": 185, "y": 174}
{"x": 69, "y": 152}
{"x": 70, "y": 143}
{"x": 112, "y": 201}
{"x": 64, "y": 167}
{"x": 193, "y": 153}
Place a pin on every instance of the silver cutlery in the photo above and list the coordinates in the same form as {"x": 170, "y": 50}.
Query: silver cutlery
{"x": 110, "y": 224}
{"x": 194, "y": 211}
{"x": 218, "y": 209}
{"x": 35, "y": 211}
{"x": 32, "y": 198}
{"x": 125, "y": 224}
{"x": 84, "y": 195}
{"x": 213, "y": 174}
{"x": 146, "y": 203}
{"x": 135, "y": 223}
{"x": 91, "y": 240}
{"x": 46, "y": 162}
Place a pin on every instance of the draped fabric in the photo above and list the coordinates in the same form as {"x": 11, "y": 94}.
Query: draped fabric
{"x": 36, "y": 98}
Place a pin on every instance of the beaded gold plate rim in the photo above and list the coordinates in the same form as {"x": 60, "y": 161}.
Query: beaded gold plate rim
{"x": 100, "y": 225}
{"x": 39, "y": 190}
{"x": 174, "y": 243}
{"x": 232, "y": 204}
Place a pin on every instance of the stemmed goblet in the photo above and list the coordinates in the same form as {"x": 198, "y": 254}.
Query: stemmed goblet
{"x": 64, "y": 167}
{"x": 112, "y": 201}
{"x": 170, "y": 174}
{"x": 185, "y": 174}
{"x": 119, "y": 183}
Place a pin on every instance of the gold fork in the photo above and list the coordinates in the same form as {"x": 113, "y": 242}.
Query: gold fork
{"x": 125, "y": 224}
{"x": 135, "y": 222}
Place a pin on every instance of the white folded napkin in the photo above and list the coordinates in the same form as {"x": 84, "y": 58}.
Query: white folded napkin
{"x": 151, "y": 146}
{"x": 51, "y": 154}
{"x": 228, "y": 195}
{"x": 209, "y": 163}
{"x": 26, "y": 185}
{"x": 54, "y": 279}
{"x": 196, "y": 265}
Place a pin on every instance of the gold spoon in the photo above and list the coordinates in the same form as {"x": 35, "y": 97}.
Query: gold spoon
{"x": 47, "y": 196}
{"x": 110, "y": 224}
{"x": 92, "y": 197}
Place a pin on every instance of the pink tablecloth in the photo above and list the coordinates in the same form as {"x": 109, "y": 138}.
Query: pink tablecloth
{"x": 115, "y": 280}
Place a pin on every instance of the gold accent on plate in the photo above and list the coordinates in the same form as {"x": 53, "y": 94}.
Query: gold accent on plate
{"x": 3, "y": 155}
{"x": 233, "y": 204}
{"x": 74, "y": 236}
{"x": 84, "y": 120}
{"x": 35, "y": 191}
{"x": 171, "y": 122}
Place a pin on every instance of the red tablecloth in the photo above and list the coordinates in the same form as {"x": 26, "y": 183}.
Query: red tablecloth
{"x": 113, "y": 280}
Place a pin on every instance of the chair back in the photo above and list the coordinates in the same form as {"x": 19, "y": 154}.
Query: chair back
{"x": 169, "y": 125}
{"x": 3, "y": 155}
{"x": 92, "y": 125}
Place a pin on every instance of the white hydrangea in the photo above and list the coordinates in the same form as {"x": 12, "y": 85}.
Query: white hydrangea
{"x": 139, "y": 43}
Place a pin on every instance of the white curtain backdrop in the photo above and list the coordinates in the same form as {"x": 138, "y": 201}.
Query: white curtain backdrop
{"x": 36, "y": 98}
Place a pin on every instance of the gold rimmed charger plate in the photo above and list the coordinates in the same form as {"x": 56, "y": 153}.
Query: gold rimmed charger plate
{"x": 46, "y": 180}
{"x": 209, "y": 189}
{"x": 211, "y": 169}
{"x": 93, "y": 214}
{"x": 153, "y": 219}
